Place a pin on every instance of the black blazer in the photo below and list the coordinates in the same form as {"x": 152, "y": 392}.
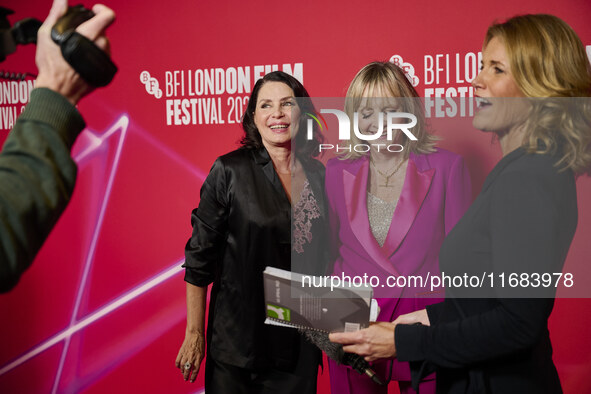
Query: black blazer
{"x": 523, "y": 221}
{"x": 242, "y": 225}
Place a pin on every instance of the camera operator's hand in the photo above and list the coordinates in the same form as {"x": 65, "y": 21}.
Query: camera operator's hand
{"x": 54, "y": 72}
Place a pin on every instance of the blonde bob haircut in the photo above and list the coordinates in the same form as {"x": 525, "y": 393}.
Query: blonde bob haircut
{"x": 547, "y": 59}
{"x": 385, "y": 79}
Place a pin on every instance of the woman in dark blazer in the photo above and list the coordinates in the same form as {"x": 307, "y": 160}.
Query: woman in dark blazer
{"x": 521, "y": 225}
{"x": 243, "y": 224}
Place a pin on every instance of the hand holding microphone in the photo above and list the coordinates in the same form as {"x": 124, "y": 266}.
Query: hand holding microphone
{"x": 335, "y": 351}
{"x": 372, "y": 343}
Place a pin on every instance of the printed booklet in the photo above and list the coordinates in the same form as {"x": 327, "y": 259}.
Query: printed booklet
{"x": 305, "y": 301}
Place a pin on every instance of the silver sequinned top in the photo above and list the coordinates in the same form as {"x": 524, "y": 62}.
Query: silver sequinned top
{"x": 380, "y": 214}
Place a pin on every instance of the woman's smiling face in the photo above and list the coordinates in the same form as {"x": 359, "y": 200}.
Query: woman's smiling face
{"x": 499, "y": 108}
{"x": 277, "y": 114}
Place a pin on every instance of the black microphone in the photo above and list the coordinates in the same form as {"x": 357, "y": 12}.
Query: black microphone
{"x": 335, "y": 351}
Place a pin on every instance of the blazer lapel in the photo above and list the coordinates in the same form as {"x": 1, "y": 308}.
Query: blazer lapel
{"x": 415, "y": 189}
{"x": 355, "y": 193}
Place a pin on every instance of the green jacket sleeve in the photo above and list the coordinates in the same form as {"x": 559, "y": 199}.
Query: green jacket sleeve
{"x": 37, "y": 176}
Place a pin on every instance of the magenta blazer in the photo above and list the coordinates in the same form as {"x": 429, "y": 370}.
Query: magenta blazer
{"x": 435, "y": 194}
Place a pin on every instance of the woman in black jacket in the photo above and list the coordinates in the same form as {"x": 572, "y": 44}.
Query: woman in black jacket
{"x": 243, "y": 224}
{"x": 518, "y": 231}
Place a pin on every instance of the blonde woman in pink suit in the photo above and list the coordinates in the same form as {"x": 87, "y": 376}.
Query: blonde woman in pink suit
{"x": 390, "y": 211}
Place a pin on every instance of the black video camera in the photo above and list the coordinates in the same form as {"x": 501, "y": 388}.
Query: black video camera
{"x": 92, "y": 63}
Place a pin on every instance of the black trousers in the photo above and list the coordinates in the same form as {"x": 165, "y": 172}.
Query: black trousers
{"x": 222, "y": 378}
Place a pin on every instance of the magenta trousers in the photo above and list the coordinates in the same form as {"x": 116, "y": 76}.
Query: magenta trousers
{"x": 344, "y": 380}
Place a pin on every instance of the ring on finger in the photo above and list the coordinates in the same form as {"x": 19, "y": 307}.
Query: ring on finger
{"x": 187, "y": 365}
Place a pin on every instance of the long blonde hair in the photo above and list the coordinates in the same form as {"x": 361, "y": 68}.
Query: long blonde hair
{"x": 548, "y": 60}
{"x": 387, "y": 78}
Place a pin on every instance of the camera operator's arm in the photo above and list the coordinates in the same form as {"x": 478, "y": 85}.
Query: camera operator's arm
{"x": 37, "y": 174}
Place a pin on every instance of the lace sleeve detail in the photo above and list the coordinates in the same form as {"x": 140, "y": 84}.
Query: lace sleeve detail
{"x": 305, "y": 210}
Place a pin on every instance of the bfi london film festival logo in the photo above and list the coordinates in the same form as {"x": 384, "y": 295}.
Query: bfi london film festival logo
{"x": 408, "y": 69}
{"x": 151, "y": 84}
{"x": 392, "y": 123}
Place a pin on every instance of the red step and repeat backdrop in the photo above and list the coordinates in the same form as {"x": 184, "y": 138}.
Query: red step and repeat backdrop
{"x": 103, "y": 307}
